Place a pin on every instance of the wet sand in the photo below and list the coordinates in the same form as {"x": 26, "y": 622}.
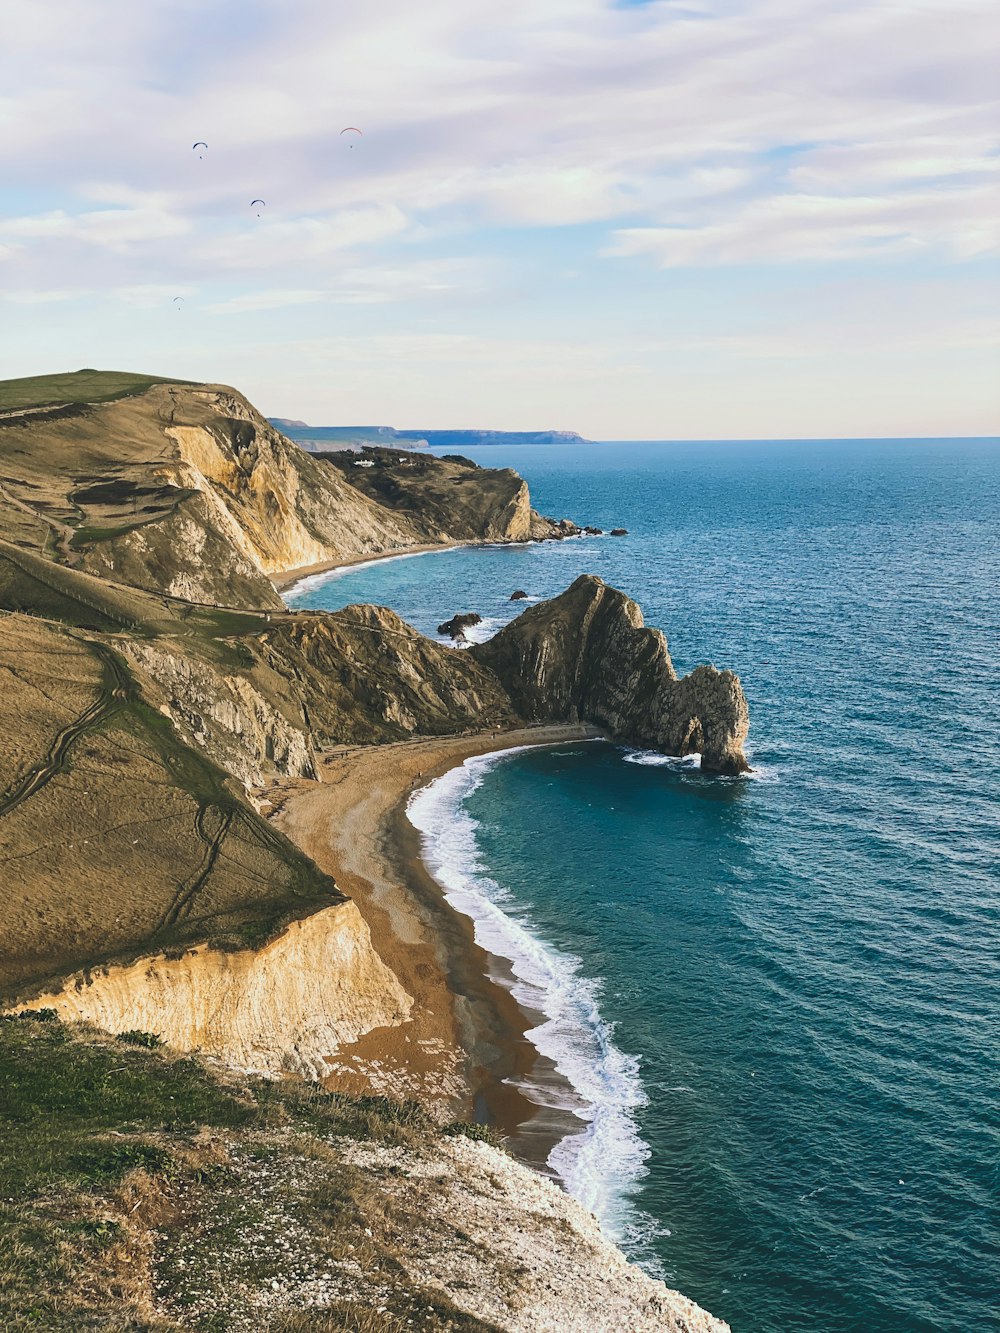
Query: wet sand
{"x": 464, "y": 1049}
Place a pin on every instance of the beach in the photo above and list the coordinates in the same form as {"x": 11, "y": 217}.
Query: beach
{"x": 465, "y": 1048}
{"x": 288, "y": 578}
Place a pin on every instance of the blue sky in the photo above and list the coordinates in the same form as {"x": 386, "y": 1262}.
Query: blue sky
{"x": 705, "y": 219}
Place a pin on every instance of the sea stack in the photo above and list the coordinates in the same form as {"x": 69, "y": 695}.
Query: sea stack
{"x": 586, "y": 655}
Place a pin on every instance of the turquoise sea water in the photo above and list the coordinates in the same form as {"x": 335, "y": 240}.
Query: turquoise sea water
{"x": 779, "y": 995}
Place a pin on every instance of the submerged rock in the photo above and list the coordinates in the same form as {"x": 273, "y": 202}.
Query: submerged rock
{"x": 586, "y": 656}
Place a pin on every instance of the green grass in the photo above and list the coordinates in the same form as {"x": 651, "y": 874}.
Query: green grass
{"x": 78, "y": 386}
{"x": 101, "y": 1142}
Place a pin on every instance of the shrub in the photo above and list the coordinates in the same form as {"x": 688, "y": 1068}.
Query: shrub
{"x": 135, "y": 1037}
{"x": 114, "y": 1162}
{"x": 478, "y": 1133}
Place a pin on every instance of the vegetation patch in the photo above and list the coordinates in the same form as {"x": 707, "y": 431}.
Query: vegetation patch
{"x": 138, "y": 1190}
{"x": 136, "y": 1037}
{"x": 79, "y": 386}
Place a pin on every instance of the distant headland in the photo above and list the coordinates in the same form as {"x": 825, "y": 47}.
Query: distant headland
{"x": 317, "y": 438}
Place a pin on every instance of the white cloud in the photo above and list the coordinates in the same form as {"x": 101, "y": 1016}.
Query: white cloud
{"x": 682, "y": 136}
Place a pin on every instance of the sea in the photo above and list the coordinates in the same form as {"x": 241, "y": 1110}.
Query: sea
{"x": 777, "y": 996}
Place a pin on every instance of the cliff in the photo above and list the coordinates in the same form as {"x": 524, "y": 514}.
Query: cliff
{"x": 283, "y": 1007}
{"x": 587, "y": 656}
{"x": 188, "y": 490}
{"x": 150, "y": 1191}
{"x": 149, "y": 676}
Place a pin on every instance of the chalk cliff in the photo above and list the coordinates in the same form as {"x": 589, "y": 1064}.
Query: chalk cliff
{"x": 187, "y": 489}
{"x": 284, "y": 1007}
{"x": 586, "y": 655}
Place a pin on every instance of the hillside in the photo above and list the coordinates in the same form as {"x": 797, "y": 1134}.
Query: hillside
{"x": 155, "y": 699}
{"x": 187, "y": 489}
{"x": 147, "y": 1192}
{"x": 110, "y": 689}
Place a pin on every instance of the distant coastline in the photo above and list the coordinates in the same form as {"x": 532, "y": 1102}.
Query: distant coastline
{"x": 316, "y": 438}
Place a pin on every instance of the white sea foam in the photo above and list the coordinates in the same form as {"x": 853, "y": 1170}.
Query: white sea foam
{"x": 602, "y": 1165}
{"x": 691, "y": 763}
{"x": 486, "y": 628}
{"x": 654, "y": 759}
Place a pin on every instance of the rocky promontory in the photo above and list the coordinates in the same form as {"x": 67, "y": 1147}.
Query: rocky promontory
{"x": 587, "y": 656}
{"x": 187, "y": 489}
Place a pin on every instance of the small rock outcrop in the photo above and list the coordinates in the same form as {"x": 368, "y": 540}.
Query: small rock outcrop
{"x": 455, "y": 627}
{"x": 591, "y": 531}
{"x": 586, "y": 656}
{"x": 619, "y": 532}
{"x": 566, "y": 528}
{"x": 519, "y": 596}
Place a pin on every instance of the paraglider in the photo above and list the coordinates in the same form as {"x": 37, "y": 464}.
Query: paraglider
{"x": 351, "y": 129}
{"x": 200, "y": 144}
{"x": 178, "y": 302}
{"x": 258, "y": 201}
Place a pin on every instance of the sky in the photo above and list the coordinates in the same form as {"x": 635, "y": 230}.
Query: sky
{"x": 685, "y": 219}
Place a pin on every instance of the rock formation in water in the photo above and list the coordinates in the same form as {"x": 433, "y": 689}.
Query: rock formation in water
{"x": 586, "y": 655}
{"x": 455, "y": 627}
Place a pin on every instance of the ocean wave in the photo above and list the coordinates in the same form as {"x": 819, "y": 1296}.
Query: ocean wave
{"x": 654, "y": 759}
{"x": 486, "y": 628}
{"x": 691, "y": 763}
{"x": 602, "y": 1165}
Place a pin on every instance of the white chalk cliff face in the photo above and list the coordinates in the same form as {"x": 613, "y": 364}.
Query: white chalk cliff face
{"x": 285, "y": 1007}
{"x": 237, "y": 502}
{"x": 507, "y": 1246}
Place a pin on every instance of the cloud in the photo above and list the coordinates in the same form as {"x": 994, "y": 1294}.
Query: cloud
{"x": 828, "y": 227}
{"x": 641, "y": 146}
{"x": 556, "y": 114}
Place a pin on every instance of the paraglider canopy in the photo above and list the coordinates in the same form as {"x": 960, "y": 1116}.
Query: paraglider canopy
{"x": 178, "y": 301}
{"x": 200, "y": 144}
{"x": 351, "y": 129}
{"x": 258, "y": 201}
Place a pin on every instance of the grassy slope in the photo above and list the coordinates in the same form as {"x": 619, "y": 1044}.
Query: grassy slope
{"x": 78, "y": 386}
{"x": 140, "y": 1191}
{"x": 116, "y": 835}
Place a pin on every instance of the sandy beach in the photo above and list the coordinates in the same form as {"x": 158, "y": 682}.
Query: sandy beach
{"x": 289, "y": 577}
{"x": 467, "y": 1033}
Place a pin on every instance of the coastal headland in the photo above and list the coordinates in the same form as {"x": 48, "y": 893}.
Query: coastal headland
{"x": 202, "y": 802}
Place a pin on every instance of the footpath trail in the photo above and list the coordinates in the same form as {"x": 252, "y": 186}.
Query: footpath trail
{"x": 190, "y": 888}
{"x": 115, "y": 691}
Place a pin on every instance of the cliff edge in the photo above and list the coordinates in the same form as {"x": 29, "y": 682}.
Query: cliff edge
{"x": 187, "y": 489}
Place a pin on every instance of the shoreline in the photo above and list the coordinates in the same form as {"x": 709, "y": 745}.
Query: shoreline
{"x": 466, "y": 1049}
{"x": 285, "y": 580}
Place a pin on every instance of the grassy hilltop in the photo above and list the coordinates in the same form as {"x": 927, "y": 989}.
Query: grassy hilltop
{"x": 76, "y": 386}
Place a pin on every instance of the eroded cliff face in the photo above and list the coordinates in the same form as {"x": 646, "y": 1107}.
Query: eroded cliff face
{"x": 251, "y": 722}
{"x": 188, "y": 490}
{"x": 587, "y": 656}
{"x": 284, "y": 1007}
